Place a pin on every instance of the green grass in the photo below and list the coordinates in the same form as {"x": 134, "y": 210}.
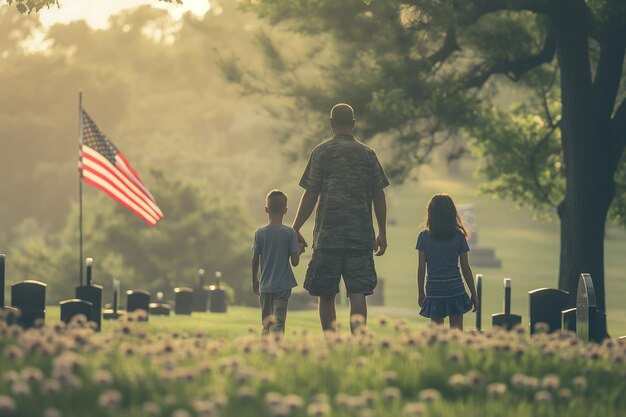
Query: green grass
{"x": 209, "y": 365}
{"x": 529, "y": 249}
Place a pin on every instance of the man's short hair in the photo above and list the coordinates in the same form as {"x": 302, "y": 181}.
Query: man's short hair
{"x": 276, "y": 202}
{"x": 342, "y": 115}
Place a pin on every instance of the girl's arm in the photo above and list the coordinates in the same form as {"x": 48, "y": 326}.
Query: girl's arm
{"x": 421, "y": 276}
{"x": 469, "y": 278}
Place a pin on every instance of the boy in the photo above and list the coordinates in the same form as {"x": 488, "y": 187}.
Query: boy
{"x": 275, "y": 244}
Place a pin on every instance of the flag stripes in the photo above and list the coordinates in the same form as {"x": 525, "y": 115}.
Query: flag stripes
{"x": 104, "y": 167}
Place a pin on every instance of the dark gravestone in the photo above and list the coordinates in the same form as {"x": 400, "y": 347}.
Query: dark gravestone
{"x": 159, "y": 308}
{"x": 479, "y": 294}
{"x": 546, "y": 305}
{"x": 91, "y": 293}
{"x": 2, "y": 279}
{"x": 138, "y": 300}
{"x": 200, "y": 294}
{"x": 590, "y": 322}
{"x": 506, "y": 319}
{"x": 568, "y": 320}
{"x": 30, "y": 298}
{"x": 184, "y": 300}
{"x": 217, "y": 296}
{"x": 74, "y": 307}
{"x": 378, "y": 297}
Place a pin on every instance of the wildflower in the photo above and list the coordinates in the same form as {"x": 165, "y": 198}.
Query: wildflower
{"x": 580, "y": 383}
{"x": 496, "y": 389}
{"x": 13, "y": 353}
{"x": 429, "y": 395}
{"x": 414, "y": 409}
{"x": 10, "y": 377}
{"x": 368, "y": 397}
{"x": 318, "y": 409}
{"x": 220, "y": 400}
{"x": 32, "y": 375}
{"x": 102, "y": 377}
{"x": 565, "y": 395}
{"x": 50, "y": 387}
{"x": 7, "y": 405}
{"x": 531, "y": 382}
{"x": 246, "y": 393}
{"x": 475, "y": 378}
{"x": 52, "y": 412}
{"x": 151, "y": 408}
{"x": 357, "y": 320}
{"x": 20, "y": 389}
{"x": 110, "y": 399}
{"x": 383, "y": 321}
{"x": 389, "y": 377}
{"x": 204, "y": 408}
{"x": 181, "y": 412}
{"x": 543, "y": 397}
{"x": 455, "y": 357}
{"x": 551, "y": 382}
{"x": 366, "y": 413}
{"x": 458, "y": 381}
{"x": 294, "y": 402}
{"x": 391, "y": 393}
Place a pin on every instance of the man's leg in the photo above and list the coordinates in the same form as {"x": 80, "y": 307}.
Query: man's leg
{"x": 358, "y": 310}
{"x": 328, "y": 315}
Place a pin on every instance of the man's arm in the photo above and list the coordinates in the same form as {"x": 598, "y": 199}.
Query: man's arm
{"x": 380, "y": 210}
{"x": 306, "y": 207}
{"x": 255, "y": 274}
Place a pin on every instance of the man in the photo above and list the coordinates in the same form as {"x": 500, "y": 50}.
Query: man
{"x": 346, "y": 178}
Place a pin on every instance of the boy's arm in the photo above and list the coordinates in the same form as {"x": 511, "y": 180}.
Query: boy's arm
{"x": 469, "y": 277}
{"x": 307, "y": 204}
{"x": 255, "y": 274}
{"x": 295, "y": 259}
{"x": 421, "y": 277}
{"x": 380, "y": 209}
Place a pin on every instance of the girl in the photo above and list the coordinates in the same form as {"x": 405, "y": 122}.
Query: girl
{"x": 441, "y": 245}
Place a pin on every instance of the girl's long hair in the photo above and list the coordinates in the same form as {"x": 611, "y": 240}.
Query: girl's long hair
{"x": 442, "y": 220}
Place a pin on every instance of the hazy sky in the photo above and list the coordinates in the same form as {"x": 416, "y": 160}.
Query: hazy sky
{"x": 97, "y": 12}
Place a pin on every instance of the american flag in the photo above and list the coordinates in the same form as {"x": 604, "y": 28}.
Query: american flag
{"x": 102, "y": 165}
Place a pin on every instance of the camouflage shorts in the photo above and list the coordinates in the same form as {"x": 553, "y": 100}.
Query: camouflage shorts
{"x": 328, "y": 265}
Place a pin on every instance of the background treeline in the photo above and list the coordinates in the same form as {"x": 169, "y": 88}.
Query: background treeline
{"x": 154, "y": 86}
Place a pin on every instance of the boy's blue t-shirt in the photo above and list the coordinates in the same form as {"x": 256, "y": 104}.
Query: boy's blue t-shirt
{"x": 275, "y": 243}
{"x": 442, "y": 256}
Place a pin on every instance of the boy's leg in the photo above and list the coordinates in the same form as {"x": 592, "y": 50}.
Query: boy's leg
{"x": 266, "y": 312}
{"x": 280, "y": 302}
{"x": 456, "y": 322}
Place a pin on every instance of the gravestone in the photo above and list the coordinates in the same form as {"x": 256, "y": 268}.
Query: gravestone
{"x": 546, "y": 305}
{"x": 378, "y": 296}
{"x": 200, "y": 294}
{"x": 30, "y": 298}
{"x": 568, "y": 320}
{"x": 479, "y": 294}
{"x": 218, "y": 296}
{"x": 159, "y": 308}
{"x": 113, "y": 313}
{"x": 74, "y": 307}
{"x": 91, "y": 293}
{"x": 481, "y": 256}
{"x": 138, "y": 300}
{"x": 506, "y": 319}
{"x": 184, "y": 300}
{"x": 590, "y": 322}
{"x": 9, "y": 314}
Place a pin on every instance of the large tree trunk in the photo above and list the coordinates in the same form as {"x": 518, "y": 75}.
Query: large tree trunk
{"x": 589, "y": 180}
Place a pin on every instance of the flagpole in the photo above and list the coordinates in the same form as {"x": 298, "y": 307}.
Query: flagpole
{"x": 80, "y": 187}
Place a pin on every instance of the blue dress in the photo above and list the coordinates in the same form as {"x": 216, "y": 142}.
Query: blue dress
{"x": 445, "y": 291}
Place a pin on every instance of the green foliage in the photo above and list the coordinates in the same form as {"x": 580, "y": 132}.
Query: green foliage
{"x": 199, "y": 231}
{"x": 394, "y": 370}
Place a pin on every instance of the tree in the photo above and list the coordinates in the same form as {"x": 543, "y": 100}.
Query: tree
{"x": 424, "y": 72}
{"x": 198, "y": 231}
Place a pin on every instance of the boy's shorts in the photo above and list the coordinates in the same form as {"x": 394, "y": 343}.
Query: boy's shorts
{"x": 328, "y": 265}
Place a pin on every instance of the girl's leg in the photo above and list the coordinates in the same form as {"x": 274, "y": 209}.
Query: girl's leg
{"x": 438, "y": 321}
{"x": 456, "y": 322}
